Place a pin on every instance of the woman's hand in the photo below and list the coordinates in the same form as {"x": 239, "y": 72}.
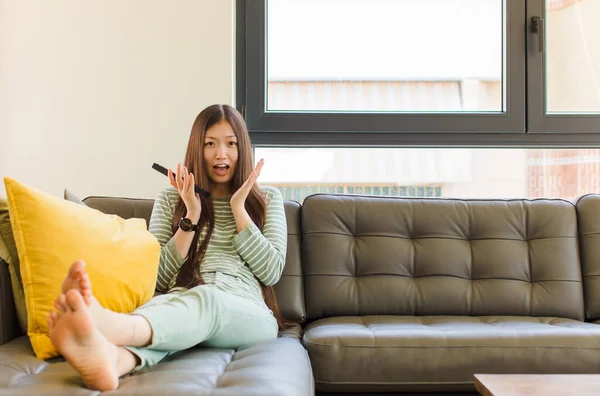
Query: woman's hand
{"x": 238, "y": 199}
{"x": 183, "y": 181}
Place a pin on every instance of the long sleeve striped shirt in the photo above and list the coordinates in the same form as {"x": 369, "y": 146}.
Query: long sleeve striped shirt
{"x": 233, "y": 261}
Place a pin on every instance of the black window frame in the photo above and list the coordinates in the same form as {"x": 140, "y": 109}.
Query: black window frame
{"x": 305, "y": 129}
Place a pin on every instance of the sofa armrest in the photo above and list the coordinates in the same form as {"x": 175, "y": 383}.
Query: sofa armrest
{"x": 9, "y": 325}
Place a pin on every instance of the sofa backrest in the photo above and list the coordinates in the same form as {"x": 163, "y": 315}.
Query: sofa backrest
{"x": 588, "y": 219}
{"x": 125, "y": 208}
{"x": 416, "y": 256}
{"x": 289, "y": 290}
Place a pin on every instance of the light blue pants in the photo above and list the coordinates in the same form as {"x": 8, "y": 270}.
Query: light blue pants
{"x": 202, "y": 315}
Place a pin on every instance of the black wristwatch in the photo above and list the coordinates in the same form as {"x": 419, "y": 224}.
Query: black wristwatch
{"x": 186, "y": 224}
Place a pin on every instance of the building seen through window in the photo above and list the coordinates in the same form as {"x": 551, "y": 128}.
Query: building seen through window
{"x": 406, "y": 67}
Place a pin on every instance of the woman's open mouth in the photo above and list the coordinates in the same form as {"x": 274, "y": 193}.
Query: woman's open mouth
{"x": 221, "y": 169}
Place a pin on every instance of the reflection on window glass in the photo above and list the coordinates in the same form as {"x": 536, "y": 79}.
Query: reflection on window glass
{"x": 463, "y": 173}
{"x": 573, "y": 56}
{"x": 383, "y": 55}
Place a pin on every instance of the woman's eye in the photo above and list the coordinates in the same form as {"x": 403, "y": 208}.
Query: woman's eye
{"x": 209, "y": 144}
{"x": 233, "y": 143}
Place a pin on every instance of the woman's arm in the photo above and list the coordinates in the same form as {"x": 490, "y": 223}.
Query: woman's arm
{"x": 174, "y": 248}
{"x": 265, "y": 252}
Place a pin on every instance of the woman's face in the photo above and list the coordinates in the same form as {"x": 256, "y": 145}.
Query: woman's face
{"x": 220, "y": 157}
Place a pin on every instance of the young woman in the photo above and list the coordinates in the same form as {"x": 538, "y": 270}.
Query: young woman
{"x": 219, "y": 257}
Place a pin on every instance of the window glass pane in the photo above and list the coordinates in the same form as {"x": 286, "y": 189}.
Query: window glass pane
{"x": 465, "y": 173}
{"x": 386, "y": 55}
{"x": 573, "y": 56}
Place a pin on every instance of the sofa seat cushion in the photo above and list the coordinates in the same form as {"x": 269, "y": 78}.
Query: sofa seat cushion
{"x": 277, "y": 367}
{"x": 399, "y": 353}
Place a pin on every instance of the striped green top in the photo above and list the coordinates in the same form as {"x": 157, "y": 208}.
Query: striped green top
{"x": 232, "y": 260}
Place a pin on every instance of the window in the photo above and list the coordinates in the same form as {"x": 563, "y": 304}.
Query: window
{"x": 468, "y": 73}
{"x": 359, "y": 56}
{"x": 564, "y": 67}
{"x": 430, "y": 172}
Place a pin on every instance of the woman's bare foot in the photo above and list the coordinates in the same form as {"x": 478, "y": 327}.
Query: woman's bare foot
{"x": 77, "y": 279}
{"x": 77, "y": 338}
{"x": 116, "y": 327}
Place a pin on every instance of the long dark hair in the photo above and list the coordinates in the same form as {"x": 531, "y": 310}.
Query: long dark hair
{"x": 189, "y": 273}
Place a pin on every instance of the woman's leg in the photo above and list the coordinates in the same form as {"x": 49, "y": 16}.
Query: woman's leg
{"x": 244, "y": 322}
{"x": 183, "y": 320}
{"x": 178, "y": 321}
{"x": 202, "y": 315}
{"x": 146, "y": 357}
{"x": 173, "y": 322}
{"x": 206, "y": 314}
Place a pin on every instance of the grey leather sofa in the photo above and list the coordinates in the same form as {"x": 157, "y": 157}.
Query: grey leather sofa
{"x": 392, "y": 295}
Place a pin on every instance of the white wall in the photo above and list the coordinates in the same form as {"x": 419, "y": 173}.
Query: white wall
{"x": 93, "y": 92}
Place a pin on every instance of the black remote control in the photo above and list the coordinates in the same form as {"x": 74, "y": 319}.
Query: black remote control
{"x": 164, "y": 171}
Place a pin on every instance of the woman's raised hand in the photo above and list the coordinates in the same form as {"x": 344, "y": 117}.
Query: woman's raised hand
{"x": 183, "y": 181}
{"x": 238, "y": 199}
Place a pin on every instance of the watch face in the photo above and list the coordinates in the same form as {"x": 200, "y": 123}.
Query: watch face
{"x": 186, "y": 224}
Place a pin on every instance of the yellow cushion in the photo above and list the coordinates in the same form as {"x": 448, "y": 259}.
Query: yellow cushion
{"x": 51, "y": 233}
